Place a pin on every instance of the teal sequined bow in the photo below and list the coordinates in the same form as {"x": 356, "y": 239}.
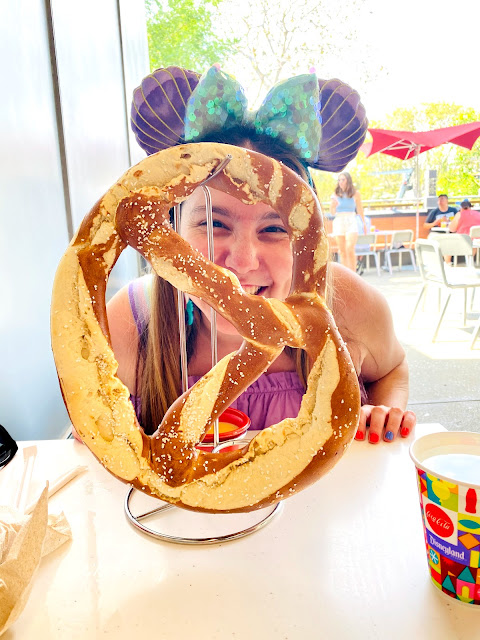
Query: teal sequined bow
{"x": 290, "y": 111}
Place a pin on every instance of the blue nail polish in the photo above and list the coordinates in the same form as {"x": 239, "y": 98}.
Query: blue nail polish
{"x": 389, "y": 435}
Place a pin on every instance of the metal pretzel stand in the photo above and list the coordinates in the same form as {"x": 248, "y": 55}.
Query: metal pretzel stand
{"x": 245, "y": 523}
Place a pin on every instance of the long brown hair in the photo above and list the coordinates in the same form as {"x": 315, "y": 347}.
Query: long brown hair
{"x": 158, "y": 376}
{"x": 350, "y": 190}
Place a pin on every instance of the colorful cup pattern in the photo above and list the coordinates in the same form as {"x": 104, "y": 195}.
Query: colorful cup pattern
{"x": 451, "y": 518}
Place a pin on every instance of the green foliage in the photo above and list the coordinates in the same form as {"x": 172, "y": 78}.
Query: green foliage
{"x": 457, "y": 168}
{"x": 182, "y": 33}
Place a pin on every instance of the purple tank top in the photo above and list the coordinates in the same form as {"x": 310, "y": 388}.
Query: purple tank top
{"x": 270, "y": 399}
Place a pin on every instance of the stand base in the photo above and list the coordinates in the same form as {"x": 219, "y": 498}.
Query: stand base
{"x": 207, "y": 519}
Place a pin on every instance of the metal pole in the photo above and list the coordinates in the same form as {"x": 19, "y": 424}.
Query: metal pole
{"x": 213, "y": 315}
{"x": 181, "y": 295}
{"x": 417, "y": 178}
{"x": 181, "y": 314}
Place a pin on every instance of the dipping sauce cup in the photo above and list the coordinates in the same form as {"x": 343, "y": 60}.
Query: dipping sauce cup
{"x": 448, "y": 476}
{"x": 232, "y": 425}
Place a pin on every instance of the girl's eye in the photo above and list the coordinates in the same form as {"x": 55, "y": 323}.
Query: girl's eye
{"x": 216, "y": 224}
{"x": 274, "y": 229}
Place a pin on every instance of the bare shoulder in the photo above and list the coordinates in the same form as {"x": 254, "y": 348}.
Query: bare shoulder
{"x": 124, "y": 336}
{"x": 353, "y": 298}
{"x": 365, "y": 322}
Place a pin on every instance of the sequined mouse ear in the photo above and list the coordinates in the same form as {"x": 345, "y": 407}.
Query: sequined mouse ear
{"x": 158, "y": 108}
{"x": 344, "y": 125}
{"x": 290, "y": 111}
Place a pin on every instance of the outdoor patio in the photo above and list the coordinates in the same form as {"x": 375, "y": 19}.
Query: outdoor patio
{"x": 444, "y": 375}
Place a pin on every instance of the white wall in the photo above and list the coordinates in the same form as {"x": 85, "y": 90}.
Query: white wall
{"x": 68, "y": 70}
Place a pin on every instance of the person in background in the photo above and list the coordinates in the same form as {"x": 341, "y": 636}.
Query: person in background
{"x": 346, "y": 203}
{"x": 465, "y": 219}
{"x": 443, "y": 213}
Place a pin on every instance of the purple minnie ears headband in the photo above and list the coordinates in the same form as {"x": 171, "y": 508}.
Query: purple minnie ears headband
{"x": 323, "y": 122}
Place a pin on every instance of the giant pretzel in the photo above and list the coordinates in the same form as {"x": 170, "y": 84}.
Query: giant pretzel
{"x": 281, "y": 459}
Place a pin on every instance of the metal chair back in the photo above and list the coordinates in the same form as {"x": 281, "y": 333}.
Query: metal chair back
{"x": 475, "y": 236}
{"x": 430, "y": 261}
{"x": 365, "y": 239}
{"x": 454, "y": 244}
{"x": 365, "y": 246}
{"x": 475, "y": 231}
{"x": 400, "y": 243}
{"x": 405, "y": 237}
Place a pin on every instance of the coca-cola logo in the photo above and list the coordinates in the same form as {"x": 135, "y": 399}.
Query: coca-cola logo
{"x": 439, "y": 521}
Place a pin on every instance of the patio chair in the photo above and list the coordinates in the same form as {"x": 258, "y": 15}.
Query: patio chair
{"x": 363, "y": 247}
{"x": 475, "y": 236}
{"x": 433, "y": 272}
{"x": 455, "y": 244}
{"x": 401, "y": 242}
{"x": 476, "y": 332}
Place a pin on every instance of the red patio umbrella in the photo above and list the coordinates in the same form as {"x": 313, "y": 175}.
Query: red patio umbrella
{"x": 409, "y": 144}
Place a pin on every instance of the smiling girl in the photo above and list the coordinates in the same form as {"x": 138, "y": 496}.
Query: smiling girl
{"x": 252, "y": 242}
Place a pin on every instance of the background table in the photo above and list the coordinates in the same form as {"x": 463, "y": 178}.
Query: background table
{"x": 345, "y": 559}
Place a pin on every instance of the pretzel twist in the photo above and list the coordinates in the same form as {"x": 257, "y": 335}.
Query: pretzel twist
{"x": 281, "y": 459}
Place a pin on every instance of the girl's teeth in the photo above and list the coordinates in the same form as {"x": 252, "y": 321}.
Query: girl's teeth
{"x": 251, "y": 290}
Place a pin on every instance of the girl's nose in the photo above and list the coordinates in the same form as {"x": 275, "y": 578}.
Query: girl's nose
{"x": 242, "y": 256}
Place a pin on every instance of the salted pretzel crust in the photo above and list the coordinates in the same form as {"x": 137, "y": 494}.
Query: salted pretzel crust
{"x": 281, "y": 459}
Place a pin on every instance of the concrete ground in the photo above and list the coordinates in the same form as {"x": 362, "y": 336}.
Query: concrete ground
{"x": 445, "y": 374}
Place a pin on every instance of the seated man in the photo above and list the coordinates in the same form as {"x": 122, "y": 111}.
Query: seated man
{"x": 443, "y": 213}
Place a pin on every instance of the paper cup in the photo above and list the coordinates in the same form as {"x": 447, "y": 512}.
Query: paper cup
{"x": 448, "y": 476}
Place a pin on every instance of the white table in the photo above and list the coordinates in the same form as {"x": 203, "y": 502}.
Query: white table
{"x": 345, "y": 560}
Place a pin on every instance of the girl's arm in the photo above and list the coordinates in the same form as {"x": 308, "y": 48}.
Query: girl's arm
{"x": 359, "y": 207}
{"x": 386, "y": 413}
{"x": 124, "y": 337}
{"x": 333, "y": 205}
{"x": 365, "y": 322}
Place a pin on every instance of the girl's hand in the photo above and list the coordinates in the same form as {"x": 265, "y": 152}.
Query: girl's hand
{"x": 384, "y": 423}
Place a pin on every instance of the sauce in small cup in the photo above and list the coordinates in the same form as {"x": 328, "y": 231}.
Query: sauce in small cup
{"x": 232, "y": 425}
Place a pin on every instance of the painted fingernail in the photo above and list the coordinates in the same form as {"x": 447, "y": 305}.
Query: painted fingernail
{"x": 389, "y": 436}
{"x": 404, "y": 431}
{"x": 373, "y": 438}
{"x": 359, "y": 435}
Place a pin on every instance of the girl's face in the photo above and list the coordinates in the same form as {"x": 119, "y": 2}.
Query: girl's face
{"x": 249, "y": 240}
{"x": 342, "y": 182}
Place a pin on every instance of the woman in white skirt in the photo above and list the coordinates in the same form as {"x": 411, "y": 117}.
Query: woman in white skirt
{"x": 346, "y": 202}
